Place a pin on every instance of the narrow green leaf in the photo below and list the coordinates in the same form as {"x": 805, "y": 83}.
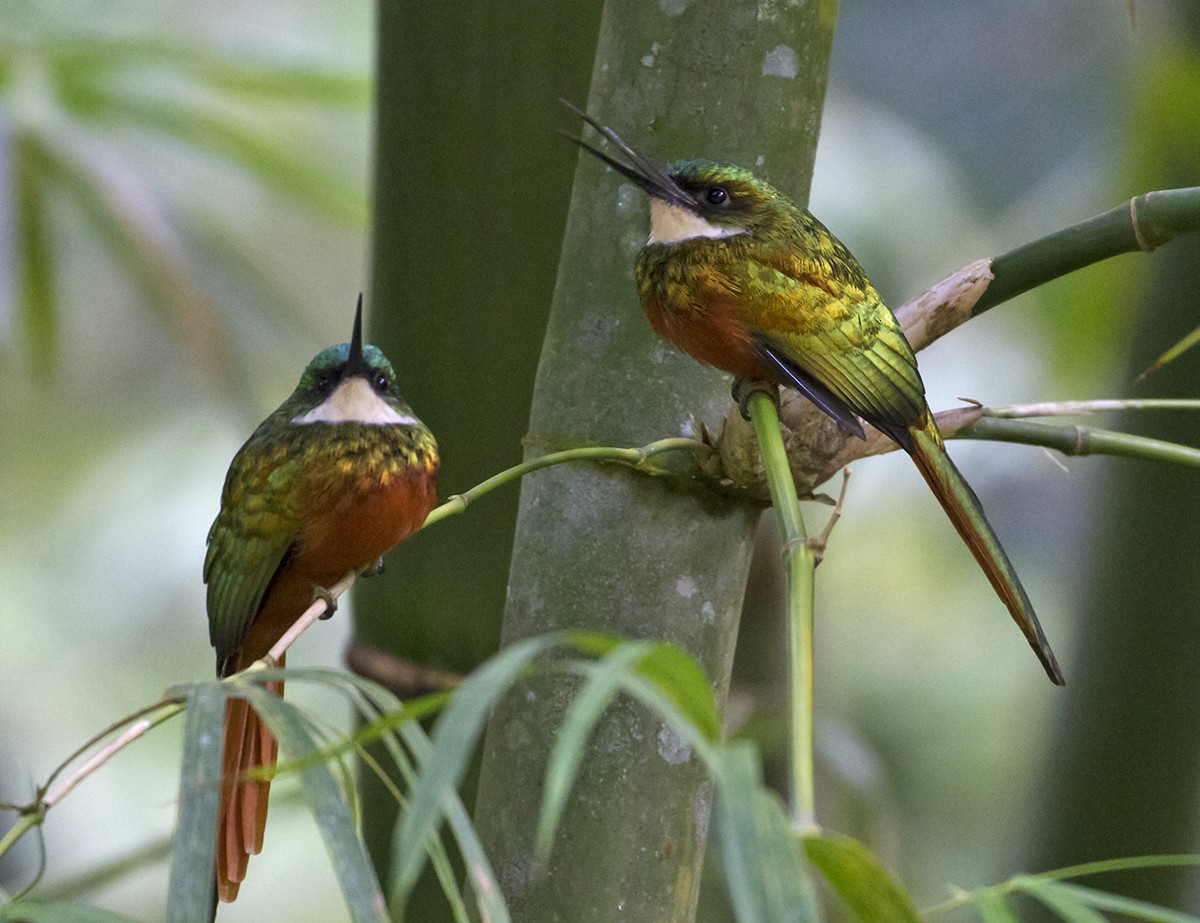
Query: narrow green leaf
{"x": 680, "y": 678}
{"x": 604, "y": 681}
{"x": 330, "y": 807}
{"x": 488, "y": 897}
{"x": 1103, "y": 900}
{"x": 379, "y": 707}
{"x": 765, "y": 870}
{"x": 384, "y": 716}
{"x": 190, "y": 890}
{"x": 278, "y": 163}
{"x": 1172, "y": 354}
{"x": 132, "y": 221}
{"x": 454, "y": 740}
{"x": 993, "y": 908}
{"x": 856, "y": 875}
{"x": 279, "y": 81}
{"x": 1061, "y": 901}
{"x": 675, "y": 673}
{"x": 36, "y": 307}
{"x": 33, "y": 912}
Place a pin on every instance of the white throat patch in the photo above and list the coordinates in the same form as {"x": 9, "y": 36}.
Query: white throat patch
{"x": 670, "y": 224}
{"x": 354, "y": 401}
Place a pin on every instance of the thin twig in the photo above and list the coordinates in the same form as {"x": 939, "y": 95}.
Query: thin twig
{"x": 1072, "y": 408}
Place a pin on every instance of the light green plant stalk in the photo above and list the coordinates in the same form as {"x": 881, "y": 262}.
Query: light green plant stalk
{"x": 800, "y": 565}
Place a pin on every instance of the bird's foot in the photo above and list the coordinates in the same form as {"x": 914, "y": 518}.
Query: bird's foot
{"x": 744, "y": 387}
{"x": 319, "y": 592}
{"x": 820, "y": 542}
{"x": 374, "y": 569}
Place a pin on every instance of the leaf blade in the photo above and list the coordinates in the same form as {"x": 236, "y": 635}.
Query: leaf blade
{"x": 190, "y": 888}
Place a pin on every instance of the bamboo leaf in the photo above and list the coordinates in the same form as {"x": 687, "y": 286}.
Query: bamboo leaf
{"x": 454, "y": 740}
{"x": 488, "y": 896}
{"x": 276, "y": 80}
{"x": 677, "y": 675}
{"x": 680, "y": 678}
{"x": 278, "y": 163}
{"x": 1103, "y": 900}
{"x": 764, "y": 862}
{"x": 34, "y": 912}
{"x": 193, "y": 857}
{"x": 856, "y": 875}
{"x": 993, "y": 908}
{"x": 1172, "y": 354}
{"x": 330, "y": 807}
{"x": 604, "y": 682}
{"x": 1061, "y": 901}
{"x": 672, "y": 672}
{"x": 132, "y": 220}
{"x": 34, "y": 253}
{"x": 387, "y": 719}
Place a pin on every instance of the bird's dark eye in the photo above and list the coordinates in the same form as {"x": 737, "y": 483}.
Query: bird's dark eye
{"x": 324, "y": 382}
{"x": 717, "y": 195}
{"x": 379, "y": 382}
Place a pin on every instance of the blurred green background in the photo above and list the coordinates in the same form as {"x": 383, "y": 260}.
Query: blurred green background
{"x": 197, "y": 178}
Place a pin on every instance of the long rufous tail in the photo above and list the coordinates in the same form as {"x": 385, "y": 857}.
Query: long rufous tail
{"x": 243, "y": 812}
{"x": 962, "y": 506}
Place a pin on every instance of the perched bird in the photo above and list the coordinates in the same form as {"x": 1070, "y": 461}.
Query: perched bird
{"x": 335, "y": 477}
{"x": 740, "y": 277}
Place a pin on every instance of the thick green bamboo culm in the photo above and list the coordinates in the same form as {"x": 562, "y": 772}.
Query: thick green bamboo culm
{"x": 612, "y": 550}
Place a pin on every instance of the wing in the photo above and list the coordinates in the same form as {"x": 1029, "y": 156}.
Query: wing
{"x": 821, "y": 328}
{"x": 249, "y": 542}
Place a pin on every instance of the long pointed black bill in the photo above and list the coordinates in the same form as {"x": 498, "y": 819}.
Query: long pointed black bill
{"x": 650, "y": 176}
{"x": 354, "y": 361}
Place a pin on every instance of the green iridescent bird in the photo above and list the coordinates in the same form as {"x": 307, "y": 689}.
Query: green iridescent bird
{"x": 331, "y": 480}
{"x": 740, "y": 277}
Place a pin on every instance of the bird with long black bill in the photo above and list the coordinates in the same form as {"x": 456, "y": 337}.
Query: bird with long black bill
{"x": 340, "y": 473}
{"x": 740, "y": 277}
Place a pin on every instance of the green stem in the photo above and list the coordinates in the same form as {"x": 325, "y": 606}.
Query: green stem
{"x": 800, "y": 564}
{"x": 1079, "y": 440}
{"x": 24, "y": 824}
{"x": 1143, "y": 223}
{"x": 459, "y": 502}
{"x": 1103, "y": 867}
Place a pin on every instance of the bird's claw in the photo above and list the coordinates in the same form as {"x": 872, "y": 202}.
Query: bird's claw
{"x": 374, "y": 569}
{"x": 744, "y": 387}
{"x": 820, "y": 542}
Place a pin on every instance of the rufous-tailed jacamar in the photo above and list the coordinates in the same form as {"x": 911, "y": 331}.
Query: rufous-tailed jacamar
{"x": 740, "y": 277}
{"x": 331, "y": 480}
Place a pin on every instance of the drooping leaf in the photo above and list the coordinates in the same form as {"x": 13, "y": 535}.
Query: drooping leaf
{"x": 993, "y": 908}
{"x": 604, "y": 681}
{"x": 765, "y": 869}
{"x": 482, "y": 877}
{"x": 34, "y": 254}
{"x": 1103, "y": 900}
{"x": 1061, "y": 901}
{"x": 856, "y": 875}
{"x": 1172, "y": 354}
{"x": 454, "y": 740}
{"x": 34, "y": 912}
{"x": 330, "y": 807}
{"x": 193, "y": 857}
